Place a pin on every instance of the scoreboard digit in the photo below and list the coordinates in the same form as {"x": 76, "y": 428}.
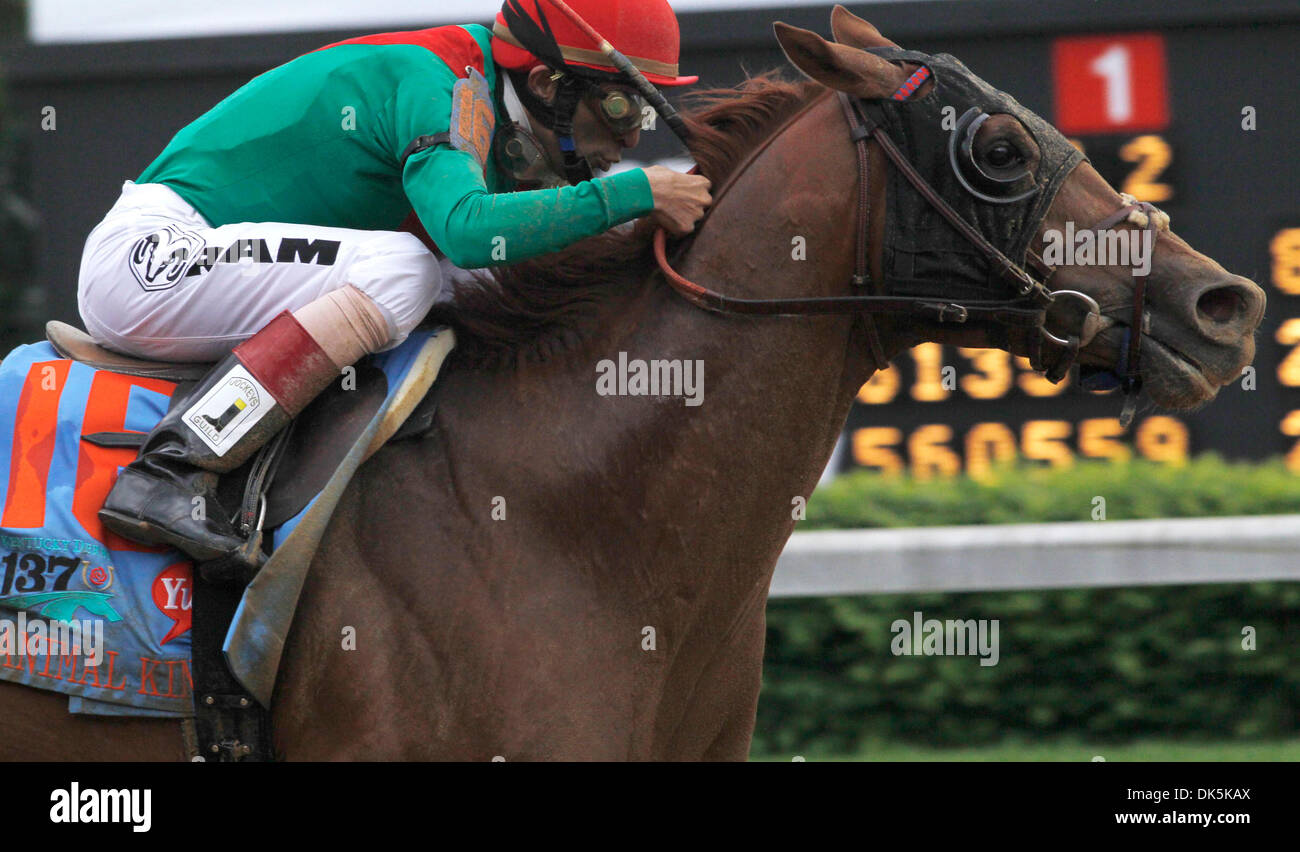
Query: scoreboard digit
{"x": 1110, "y": 84}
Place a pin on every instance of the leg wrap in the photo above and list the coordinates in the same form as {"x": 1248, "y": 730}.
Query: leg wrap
{"x": 345, "y": 323}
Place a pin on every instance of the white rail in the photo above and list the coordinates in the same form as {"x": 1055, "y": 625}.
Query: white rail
{"x": 1040, "y": 556}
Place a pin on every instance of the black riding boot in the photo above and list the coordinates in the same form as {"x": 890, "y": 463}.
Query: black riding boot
{"x": 168, "y": 495}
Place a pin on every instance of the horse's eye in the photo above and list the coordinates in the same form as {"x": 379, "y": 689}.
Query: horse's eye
{"x": 1001, "y": 155}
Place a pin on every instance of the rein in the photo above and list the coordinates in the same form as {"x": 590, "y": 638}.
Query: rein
{"x": 1006, "y": 312}
{"x": 1026, "y": 311}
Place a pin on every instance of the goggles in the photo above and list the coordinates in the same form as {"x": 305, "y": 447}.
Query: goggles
{"x": 621, "y": 110}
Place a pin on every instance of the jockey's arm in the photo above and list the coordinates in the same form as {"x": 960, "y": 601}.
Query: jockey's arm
{"x": 475, "y": 227}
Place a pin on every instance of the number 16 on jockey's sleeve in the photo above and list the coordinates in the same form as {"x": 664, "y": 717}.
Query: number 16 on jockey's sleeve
{"x": 271, "y": 224}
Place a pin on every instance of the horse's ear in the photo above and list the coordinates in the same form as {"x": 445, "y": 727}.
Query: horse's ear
{"x": 838, "y": 66}
{"x": 851, "y": 30}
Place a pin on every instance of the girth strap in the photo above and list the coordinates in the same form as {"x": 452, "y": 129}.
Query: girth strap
{"x": 229, "y": 723}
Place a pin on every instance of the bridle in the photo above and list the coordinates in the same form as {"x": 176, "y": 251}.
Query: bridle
{"x": 1025, "y": 313}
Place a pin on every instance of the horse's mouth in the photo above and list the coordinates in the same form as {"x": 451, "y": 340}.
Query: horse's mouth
{"x": 1174, "y": 379}
{"x": 1179, "y": 381}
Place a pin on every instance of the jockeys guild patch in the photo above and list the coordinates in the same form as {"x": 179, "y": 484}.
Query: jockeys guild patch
{"x": 472, "y": 116}
{"x": 162, "y": 258}
{"x": 229, "y": 410}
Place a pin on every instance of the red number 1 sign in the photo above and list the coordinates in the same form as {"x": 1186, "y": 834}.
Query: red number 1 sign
{"x": 1110, "y": 84}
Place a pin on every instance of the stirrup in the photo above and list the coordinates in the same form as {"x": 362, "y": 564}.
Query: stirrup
{"x": 242, "y": 565}
{"x": 238, "y": 567}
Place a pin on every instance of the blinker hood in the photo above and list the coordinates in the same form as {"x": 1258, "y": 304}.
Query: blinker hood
{"x": 923, "y": 254}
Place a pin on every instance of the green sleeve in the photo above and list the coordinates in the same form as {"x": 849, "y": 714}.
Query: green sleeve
{"x": 474, "y": 227}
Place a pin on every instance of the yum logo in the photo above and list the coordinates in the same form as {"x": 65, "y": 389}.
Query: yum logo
{"x": 173, "y": 594}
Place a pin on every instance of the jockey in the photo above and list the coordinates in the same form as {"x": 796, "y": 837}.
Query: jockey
{"x": 274, "y": 223}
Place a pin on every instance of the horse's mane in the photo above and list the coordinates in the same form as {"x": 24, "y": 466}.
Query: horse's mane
{"x": 532, "y": 309}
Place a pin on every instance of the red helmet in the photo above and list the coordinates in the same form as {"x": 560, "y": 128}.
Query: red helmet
{"x": 645, "y": 31}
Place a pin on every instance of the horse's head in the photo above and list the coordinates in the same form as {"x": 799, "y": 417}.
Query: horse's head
{"x": 1028, "y": 195}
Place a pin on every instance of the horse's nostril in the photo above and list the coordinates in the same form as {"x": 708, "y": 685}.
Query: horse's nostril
{"x": 1221, "y": 304}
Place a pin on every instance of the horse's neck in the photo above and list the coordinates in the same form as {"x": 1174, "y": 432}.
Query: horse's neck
{"x": 697, "y": 490}
{"x": 658, "y": 481}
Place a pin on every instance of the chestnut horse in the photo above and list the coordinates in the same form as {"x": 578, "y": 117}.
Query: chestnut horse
{"x": 556, "y": 573}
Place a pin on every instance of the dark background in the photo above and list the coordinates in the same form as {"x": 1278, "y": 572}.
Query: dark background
{"x": 118, "y": 104}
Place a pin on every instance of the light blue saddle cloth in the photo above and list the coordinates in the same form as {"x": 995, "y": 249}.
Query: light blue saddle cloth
{"x": 106, "y": 621}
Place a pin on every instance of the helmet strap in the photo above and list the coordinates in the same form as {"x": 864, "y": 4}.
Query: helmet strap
{"x": 558, "y": 118}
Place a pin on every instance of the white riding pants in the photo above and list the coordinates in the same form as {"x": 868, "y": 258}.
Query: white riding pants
{"x": 157, "y": 281}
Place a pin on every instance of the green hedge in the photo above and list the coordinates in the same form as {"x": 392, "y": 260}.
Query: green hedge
{"x": 1139, "y": 489}
{"x": 1098, "y": 664}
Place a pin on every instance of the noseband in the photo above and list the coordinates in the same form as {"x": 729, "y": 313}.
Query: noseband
{"x": 1025, "y": 313}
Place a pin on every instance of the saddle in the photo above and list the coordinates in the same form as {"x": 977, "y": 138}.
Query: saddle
{"x": 320, "y": 437}
{"x": 71, "y": 342}
{"x": 279, "y": 487}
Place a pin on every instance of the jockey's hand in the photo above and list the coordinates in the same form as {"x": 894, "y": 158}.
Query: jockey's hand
{"x": 680, "y": 200}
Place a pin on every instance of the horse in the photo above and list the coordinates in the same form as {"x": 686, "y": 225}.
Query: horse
{"x": 553, "y": 572}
